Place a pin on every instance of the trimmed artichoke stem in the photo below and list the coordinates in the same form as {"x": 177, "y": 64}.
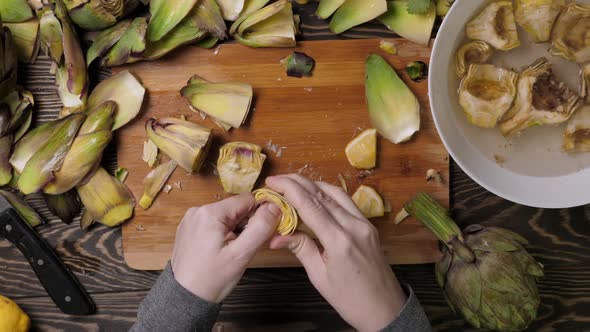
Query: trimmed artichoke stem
{"x": 436, "y": 219}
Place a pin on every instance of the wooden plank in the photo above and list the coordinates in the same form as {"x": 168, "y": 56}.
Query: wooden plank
{"x": 312, "y": 118}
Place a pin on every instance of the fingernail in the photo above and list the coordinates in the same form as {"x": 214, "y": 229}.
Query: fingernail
{"x": 273, "y": 209}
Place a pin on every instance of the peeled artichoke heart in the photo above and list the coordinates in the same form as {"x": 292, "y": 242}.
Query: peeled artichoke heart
{"x": 271, "y": 26}
{"x": 23, "y": 209}
{"x": 9, "y": 63}
{"x": 369, "y": 202}
{"x": 289, "y": 219}
{"x": 105, "y": 40}
{"x": 541, "y": 100}
{"x": 206, "y": 15}
{"x": 239, "y": 165}
{"x": 231, "y": 9}
{"x": 49, "y": 158}
{"x": 485, "y": 273}
{"x": 165, "y": 15}
{"x": 496, "y": 26}
{"x": 185, "y": 142}
{"x": 585, "y": 83}
{"x": 537, "y": 17}
{"x": 65, "y": 206}
{"x": 227, "y": 102}
{"x": 414, "y": 27}
{"x": 486, "y": 93}
{"x": 356, "y": 12}
{"x": 25, "y": 36}
{"x": 130, "y": 46}
{"x": 475, "y": 52}
{"x": 570, "y": 34}
{"x": 328, "y": 7}
{"x": 576, "y": 137}
{"x": 154, "y": 182}
{"x": 86, "y": 150}
{"x": 15, "y": 11}
{"x": 393, "y": 108}
{"x": 106, "y": 199}
{"x": 125, "y": 90}
{"x": 99, "y": 14}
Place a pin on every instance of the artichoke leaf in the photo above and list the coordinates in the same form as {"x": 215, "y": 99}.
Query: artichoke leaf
{"x": 165, "y": 15}
{"x": 414, "y": 27}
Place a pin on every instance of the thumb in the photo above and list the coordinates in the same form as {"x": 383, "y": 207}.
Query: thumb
{"x": 304, "y": 248}
{"x": 260, "y": 229}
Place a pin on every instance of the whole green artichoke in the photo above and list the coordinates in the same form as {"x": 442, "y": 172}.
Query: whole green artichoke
{"x": 485, "y": 273}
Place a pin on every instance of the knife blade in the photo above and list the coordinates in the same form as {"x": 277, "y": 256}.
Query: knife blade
{"x": 61, "y": 285}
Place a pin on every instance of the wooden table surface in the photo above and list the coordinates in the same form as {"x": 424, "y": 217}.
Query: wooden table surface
{"x": 283, "y": 299}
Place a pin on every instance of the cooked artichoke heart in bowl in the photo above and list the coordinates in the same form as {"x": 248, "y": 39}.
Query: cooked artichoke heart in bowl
{"x": 239, "y": 165}
{"x": 576, "y": 137}
{"x": 541, "y": 100}
{"x": 496, "y": 26}
{"x": 486, "y": 93}
{"x": 537, "y": 17}
{"x": 571, "y": 34}
{"x": 477, "y": 52}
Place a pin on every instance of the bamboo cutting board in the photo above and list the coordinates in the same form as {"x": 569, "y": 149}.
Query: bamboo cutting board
{"x": 303, "y": 126}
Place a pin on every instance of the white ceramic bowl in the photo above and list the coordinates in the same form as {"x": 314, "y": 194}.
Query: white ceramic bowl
{"x": 530, "y": 169}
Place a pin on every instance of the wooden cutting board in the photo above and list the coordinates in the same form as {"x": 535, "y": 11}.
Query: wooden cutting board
{"x": 309, "y": 119}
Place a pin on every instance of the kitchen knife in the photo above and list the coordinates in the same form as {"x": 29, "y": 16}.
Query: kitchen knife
{"x": 58, "y": 281}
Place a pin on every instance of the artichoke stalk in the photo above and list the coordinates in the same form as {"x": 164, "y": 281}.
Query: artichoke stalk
{"x": 485, "y": 273}
{"x": 99, "y": 14}
{"x": 65, "y": 206}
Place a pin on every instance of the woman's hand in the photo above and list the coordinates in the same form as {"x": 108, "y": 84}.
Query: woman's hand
{"x": 209, "y": 258}
{"x": 348, "y": 268}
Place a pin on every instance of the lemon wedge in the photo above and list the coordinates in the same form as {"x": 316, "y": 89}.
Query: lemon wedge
{"x": 12, "y": 318}
{"x": 369, "y": 202}
{"x": 361, "y": 152}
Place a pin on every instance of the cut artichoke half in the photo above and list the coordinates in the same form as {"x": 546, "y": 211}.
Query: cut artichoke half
{"x": 369, "y": 202}
{"x": 271, "y": 26}
{"x": 154, "y": 182}
{"x": 26, "y": 39}
{"x": 414, "y": 27}
{"x": 541, "y": 100}
{"x": 239, "y": 165}
{"x": 475, "y": 52}
{"x": 569, "y": 38}
{"x": 585, "y": 83}
{"x": 99, "y": 14}
{"x": 125, "y": 90}
{"x": 496, "y": 26}
{"x": 289, "y": 219}
{"x": 185, "y": 142}
{"x": 228, "y": 103}
{"x": 537, "y": 17}
{"x": 394, "y": 110}
{"x": 486, "y": 94}
{"x": 576, "y": 137}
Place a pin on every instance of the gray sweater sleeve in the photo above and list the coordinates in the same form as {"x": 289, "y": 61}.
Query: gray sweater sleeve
{"x": 170, "y": 307}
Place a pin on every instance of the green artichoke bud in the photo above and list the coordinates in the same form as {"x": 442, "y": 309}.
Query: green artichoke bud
{"x": 185, "y": 142}
{"x": 485, "y": 273}
{"x": 99, "y": 14}
{"x": 154, "y": 182}
{"x": 39, "y": 170}
{"x": 165, "y": 15}
{"x": 14, "y": 11}
{"x": 8, "y": 65}
{"x": 23, "y": 209}
{"x": 106, "y": 199}
{"x": 271, "y": 26}
{"x": 25, "y": 36}
{"x": 65, "y": 206}
{"x": 130, "y": 46}
{"x": 86, "y": 150}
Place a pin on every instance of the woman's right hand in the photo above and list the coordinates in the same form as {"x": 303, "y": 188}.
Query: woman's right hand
{"x": 348, "y": 267}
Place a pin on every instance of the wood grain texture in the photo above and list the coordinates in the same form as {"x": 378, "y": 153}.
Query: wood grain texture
{"x": 310, "y": 119}
{"x": 283, "y": 299}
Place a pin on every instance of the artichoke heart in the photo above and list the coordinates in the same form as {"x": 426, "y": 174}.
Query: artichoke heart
{"x": 99, "y": 14}
{"x": 477, "y": 52}
{"x": 154, "y": 182}
{"x": 496, "y": 26}
{"x": 228, "y": 103}
{"x": 486, "y": 93}
{"x": 541, "y": 100}
{"x": 239, "y": 165}
{"x": 576, "y": 137}
{"x": 185, "y": 142}
{"x": 537, "y": 17}
{"x": 289, "y": 219}
{"x": 271, "y": 26}
{"x": 570, "y": 38}
{"x": 585, "y": 83}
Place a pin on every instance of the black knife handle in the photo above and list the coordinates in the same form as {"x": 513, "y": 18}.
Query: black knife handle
{"x": 61, "y": 285}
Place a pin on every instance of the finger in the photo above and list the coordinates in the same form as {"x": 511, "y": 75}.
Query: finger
{"x": 260, "y": 229}
{"x": 304, "y": 248}
{"x": 341, "y": 198}
{"x": 229, "y": 212}
{"x": 308, "y": 206}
